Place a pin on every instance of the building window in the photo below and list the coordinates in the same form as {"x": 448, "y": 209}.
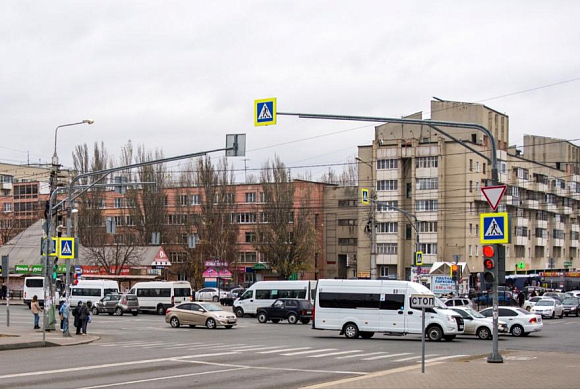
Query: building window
{"x": 426, "y": 162}
{"x": 246, "y": 217}
{"x": 251, "y": 197}
{"x": 183, "y": 200}
{"x": 119, "y": 202}
{"x": 427, "y": 183}
{"x": 165, "y": 201}
{"x": 386, "y": 206}
{"x": 470, "y": 228}
{"x": 230, "y": 198}
{"x": 347, "y": 241}
{"x": 470, "y": 251}
{"x": 262, "y": 197}
{"x": 178, "y": 257}
{"x": 477, "y": 166}
{"x": 7, "y": 207}
{"x": 387, "y": 185}
{"x": 129, "y": 221}
{"x": 521, "y": 231}
{"x": 118, "y": 221}
{"x": 387, "y": 248}
{"x": 387, "y": 228}
{"x": 523, "y": 174}
{"x": 250, "y": 237}
{"x": 194, "y": 199}
{"x": 248, "y": 257}
{"x": 476, "y": 250}
{"x": 426, "y": 205}
{"x": 346, "y": 203}
{"x": 470, "y": 186}
{"x": 471, "y": 165}
{"x": 428, "y": 227}
{"x": 429, "y": 248}
{"x": 386, "y": 164}
{"x": 383, "y": 271}
{"x": 347, "y": 222}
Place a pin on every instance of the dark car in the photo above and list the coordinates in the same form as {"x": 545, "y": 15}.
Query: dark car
{"x": 571, "y": 306}
{"x": 293, "y": 310}
{"x": 116, "y": 304}
{"x": 232, "y": 296}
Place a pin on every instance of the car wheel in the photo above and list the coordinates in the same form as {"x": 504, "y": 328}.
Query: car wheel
{"x": 351, "y": 331}
{"x": 434, "y": 333}
{"x": 174, "y": 322}
{"x": 517, "y": 330}
{"x": 95, "y": 311}
{"x": 292, "y": 318}
{"x": 577, "y": 313}
{"x": 483, "y": 333}
{"x": 160, "y": 310}
{"x": 210, "y": 323}
{"x": 229, "y": 327}
{"x": 262, "y": 317}
{"x": 215, "y": 299}
{"x": 192, "y": 326}
{"x": 553, "y": 315}
{"x": 118, "y": 311}
{"x": 366, "y": 335}
{"x": 239, "y": 312}
{"x": 562, "y": 315}
{"x": 275, "y": 321}
{"x": 134, "y": 313}
{"x": 305, "y": 321}
{"x": 566, "y": 314}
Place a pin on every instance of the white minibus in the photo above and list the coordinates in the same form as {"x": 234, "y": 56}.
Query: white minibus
{"x": 363, "y": 307}
{"x": 92, "y": 290}
{"x": 33, "y": 286}
{"x": 264, "y": 293}
{"x": 160, "y": 295}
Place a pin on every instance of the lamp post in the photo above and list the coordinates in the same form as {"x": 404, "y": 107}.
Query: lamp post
{"x": 54, "y": 155}
{"x": 373, "y": 230}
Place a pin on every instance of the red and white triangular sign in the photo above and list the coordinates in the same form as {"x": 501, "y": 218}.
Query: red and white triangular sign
{"x": 493, "y": 194}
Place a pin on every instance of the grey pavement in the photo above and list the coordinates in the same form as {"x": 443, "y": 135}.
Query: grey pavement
{"x": 521, "y": 369}
{"x": 18, "y": 338}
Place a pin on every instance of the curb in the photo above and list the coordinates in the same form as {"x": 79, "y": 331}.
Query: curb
{"x": 38, "y": 344}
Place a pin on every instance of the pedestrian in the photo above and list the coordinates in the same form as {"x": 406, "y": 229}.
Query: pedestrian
{"x": 77, "y": 314}
{"x": 521, "y": 299}
{"x": 4, "y": 291}
{"x": 84, "y": 318}
{"x": 63, "y": 318}
{"x": 35, "y": 308}
{"x": 533, "y": 294}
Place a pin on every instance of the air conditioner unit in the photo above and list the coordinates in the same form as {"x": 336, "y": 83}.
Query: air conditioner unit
{"x": 479, "y": 140}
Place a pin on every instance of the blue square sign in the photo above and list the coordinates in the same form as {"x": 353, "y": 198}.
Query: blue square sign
{"x": 265, "y": 112}
{"x": 494, "y": 228}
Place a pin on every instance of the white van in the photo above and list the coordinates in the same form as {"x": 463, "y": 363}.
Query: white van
{"x": 363, "y": 307}
{"x": 264, "y": 293}
{"x": 33, "y": 286}
{"x": 92, "y": 290}
{"x": 160, "y": 295}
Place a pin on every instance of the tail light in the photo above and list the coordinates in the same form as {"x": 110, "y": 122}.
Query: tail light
{"x": 190, "y": 298}
{"x": 172, "y": 300}
{"x": 533, "y": 320}
{"x": 167, "y": 311}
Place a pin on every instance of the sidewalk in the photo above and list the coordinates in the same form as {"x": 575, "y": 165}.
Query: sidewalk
{"x": 13, "y": 302}
{"x": 18, "y": 338}
{"x": 521, "y": 369}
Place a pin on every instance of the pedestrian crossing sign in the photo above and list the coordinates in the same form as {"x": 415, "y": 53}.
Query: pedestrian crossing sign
{"x": 66, "y": 248}
{"x": 494, "y": 228}
{"x": 265, "y": 112}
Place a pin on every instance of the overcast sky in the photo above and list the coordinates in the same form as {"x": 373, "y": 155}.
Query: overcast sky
{"x": 180, "y": 75}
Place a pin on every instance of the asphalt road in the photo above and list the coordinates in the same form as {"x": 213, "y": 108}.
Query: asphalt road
{"x": 144, "y": 352}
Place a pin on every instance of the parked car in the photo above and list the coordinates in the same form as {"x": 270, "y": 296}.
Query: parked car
{"x": 477, "y": 324}
{"x": 520, "y": 322}
{"x": 528, "y": 304}
{"x": 487, "y": 298}
{"x": 202, "y": 314}
{"x": 458, "y": 302}
{"x": 293, "y": 310}
{"x": 575, "y": 293}
{"x": 555, "y": 295}
{"x": 116, "y": 304}
{"x": 548, "y": 307}
{"x": 210, "y": 294}
{"x": 571, "y": 306}
{"x": 231, "y": 296}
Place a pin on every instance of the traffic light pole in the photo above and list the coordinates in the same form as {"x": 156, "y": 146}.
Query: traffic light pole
{"x": 494, "y": 357}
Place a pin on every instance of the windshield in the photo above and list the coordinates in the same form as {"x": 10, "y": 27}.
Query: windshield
{"x": 474, "y": 313}
{"x": 545, "y": 303}
{"x": 211, "y": 307}
{"x": 440, "y": 304}
{"x": 571, "y": 301}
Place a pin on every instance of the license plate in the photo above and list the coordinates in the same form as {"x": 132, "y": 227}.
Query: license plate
{"x": 309, "y": 312}
{"x": 460, "y": 327}
{"x": 231, "y": 321}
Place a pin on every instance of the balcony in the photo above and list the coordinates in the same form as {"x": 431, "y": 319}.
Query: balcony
{"x": 565, "y": 210}
{"x": 6, "y": 185}
{"x": 574, "y": 243}
{"x": 531, "y": 204}
{"x": 558, "y": 242}
{"x": 539, "y": 187}
{"x": 520, "y": 240}
{"x": 575, "y": 227}
{"x": 521, "y": 222}
{"x": 541, "y": 224}
{"x": 540, "y": 241}
{"x": 387, "y": 259}
{"x": 549, "y": 207}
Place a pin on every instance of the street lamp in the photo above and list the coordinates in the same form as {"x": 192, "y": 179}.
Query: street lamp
{"x": 55, "y": 156}
{"x": 373, "y": 231}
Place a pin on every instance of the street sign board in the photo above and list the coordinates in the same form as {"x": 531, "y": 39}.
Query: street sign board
{"x": 418, "y": 258}
{"x": 52, "y": 247}
{"x": 493, "y": 228}
{"x": 78, "y": 270}
{"x": 265, "y": 112}
{"x": 66, "y": 248}
{"x": 419, "y": 301}
{"x": 493, "y": 194}
{"x": 364, "y": 196}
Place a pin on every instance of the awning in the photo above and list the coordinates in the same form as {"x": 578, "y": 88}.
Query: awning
{"x": 260, "y": 266}
{"x": 119, "y": 277}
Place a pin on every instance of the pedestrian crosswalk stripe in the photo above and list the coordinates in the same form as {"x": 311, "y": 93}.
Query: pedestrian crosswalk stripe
{"x": 385, "y": 356}
{"x": 262, "y": 348}
{"x": 281, "y": 351}
{"x": 362, "y": 355}
{"x": 309, "y": 351}
{"x": 246, "y": 348}
{"x": 442, "y": 358}
{"x": 181, "y": 345}
{"x": 411, "y": 358}
{"x": 336, "y": 353}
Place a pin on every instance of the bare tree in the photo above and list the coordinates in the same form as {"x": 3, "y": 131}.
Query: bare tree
{"x": 286, "y": 234}
{"x": 348, "y": 177}
{"x": 9, "y": 227}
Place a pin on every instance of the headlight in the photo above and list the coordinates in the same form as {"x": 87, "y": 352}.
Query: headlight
{"x": 451, "y": 318}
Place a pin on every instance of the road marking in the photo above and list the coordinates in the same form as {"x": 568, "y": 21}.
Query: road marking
{"x": 336, "y": 353}
{"x": 246, "y": 348}
{"x": 385, "y": 356}
{"x": 260, "y": 348}
{"x": 411, "y": 358}
{"x": 362, "y": 355}
{"x": 162, "y": 378}
{"x": 109, "y": 365}
{"x": 226, "y": 346}
{"x": 442, "y": 358}
{"x": 181, "y": 345}
{"x": 119, "y": 343}
{"x": 288, "y": 349}
{"x": 309, "y": 352}
{"x": 146, "y": 344}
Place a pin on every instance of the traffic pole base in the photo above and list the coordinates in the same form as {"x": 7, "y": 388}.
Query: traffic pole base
{"x": 494, "y": 358}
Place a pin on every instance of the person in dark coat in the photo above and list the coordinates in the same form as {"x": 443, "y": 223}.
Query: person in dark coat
{"x": 521, "y": 299}
{"x": 77, "y": 314}
{"x": 84, "y": 317}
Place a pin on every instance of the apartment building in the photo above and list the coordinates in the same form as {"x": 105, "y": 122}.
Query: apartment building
{"x": 420, "y": 170}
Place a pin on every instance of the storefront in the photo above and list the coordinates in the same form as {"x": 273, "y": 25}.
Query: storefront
{"x": 216, "y": 272}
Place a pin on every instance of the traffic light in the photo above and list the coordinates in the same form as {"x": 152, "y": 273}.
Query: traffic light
{"x": 454, "y": 272}
{"x": 489, "y": 263}
{"x": 55, "y": 270}
{"x": 75, "y": 279}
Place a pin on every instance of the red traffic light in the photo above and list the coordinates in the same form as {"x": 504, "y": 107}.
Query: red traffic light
{"x": 488, "y": 251}
{"x": 489, "y": 264}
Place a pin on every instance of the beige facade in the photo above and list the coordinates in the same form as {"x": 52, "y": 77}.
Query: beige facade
{"x": 420, "y": 170}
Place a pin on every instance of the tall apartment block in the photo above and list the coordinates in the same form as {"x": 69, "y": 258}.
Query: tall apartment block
{"x": 420, "y": 170}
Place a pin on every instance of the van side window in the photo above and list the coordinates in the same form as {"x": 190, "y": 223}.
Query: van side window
{"x": 393, "y": 302}
{"x": 263, "y": 294}
{"x": 349, "y": 300}
{"x": 132, "y": 291}
{"x": 182, "y": 292}
{"x": 247, "y": 295}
